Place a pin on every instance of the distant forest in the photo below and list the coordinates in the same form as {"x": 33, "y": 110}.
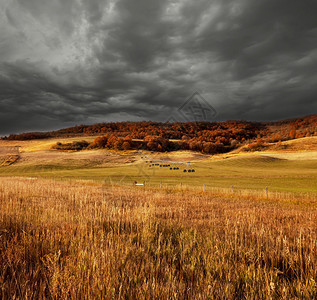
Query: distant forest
{"x": 205, "y": 137}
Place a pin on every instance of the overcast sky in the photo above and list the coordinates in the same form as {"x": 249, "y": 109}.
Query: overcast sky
{"x": 68, "y": 62}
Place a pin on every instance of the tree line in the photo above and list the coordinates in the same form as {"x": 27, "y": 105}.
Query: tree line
{"x": 205, "y": 137}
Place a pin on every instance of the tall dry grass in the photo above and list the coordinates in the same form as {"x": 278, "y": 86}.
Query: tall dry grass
{"x": 62, "y": 240}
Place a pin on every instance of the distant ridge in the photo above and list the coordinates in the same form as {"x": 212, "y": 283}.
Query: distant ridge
{"x": 277, "y": 130}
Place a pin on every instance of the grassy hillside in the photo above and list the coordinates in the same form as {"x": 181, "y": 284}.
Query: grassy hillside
{"x": 279, "y": 169}
{"x": 42, "y": 144}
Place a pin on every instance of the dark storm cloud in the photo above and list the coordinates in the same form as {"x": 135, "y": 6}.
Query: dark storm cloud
{"x": 71, "y": 62}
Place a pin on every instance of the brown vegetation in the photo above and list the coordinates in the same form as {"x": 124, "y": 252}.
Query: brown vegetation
{"x": 74, "y": 240}
{"x": 74, "y": 146}
{"x": 205, "y": 137}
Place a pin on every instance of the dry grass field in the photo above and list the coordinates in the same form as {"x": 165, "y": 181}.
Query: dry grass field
{"x": 72, "y": 225}
{"x": 81, "y": 240}
{"x": 42, "y": 144}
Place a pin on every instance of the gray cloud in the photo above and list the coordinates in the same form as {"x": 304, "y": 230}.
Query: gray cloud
{"x": 69, "y": 62}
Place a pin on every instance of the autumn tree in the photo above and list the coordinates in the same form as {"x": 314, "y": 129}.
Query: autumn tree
{"x": 99, "y": 142}
{"x": 126, "y": 145}
{"x": 292, "y": 133}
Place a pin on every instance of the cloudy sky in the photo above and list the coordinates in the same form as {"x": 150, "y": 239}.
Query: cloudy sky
{"x": 67, "y": 62}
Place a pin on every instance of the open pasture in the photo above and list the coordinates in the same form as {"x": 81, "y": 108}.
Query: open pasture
{"x": 281, "y": 171}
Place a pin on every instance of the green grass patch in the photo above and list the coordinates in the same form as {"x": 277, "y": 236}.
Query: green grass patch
{"x": 245, "y": 173}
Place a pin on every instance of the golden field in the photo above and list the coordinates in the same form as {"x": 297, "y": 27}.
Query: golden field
{"x": 83, "y": 240}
